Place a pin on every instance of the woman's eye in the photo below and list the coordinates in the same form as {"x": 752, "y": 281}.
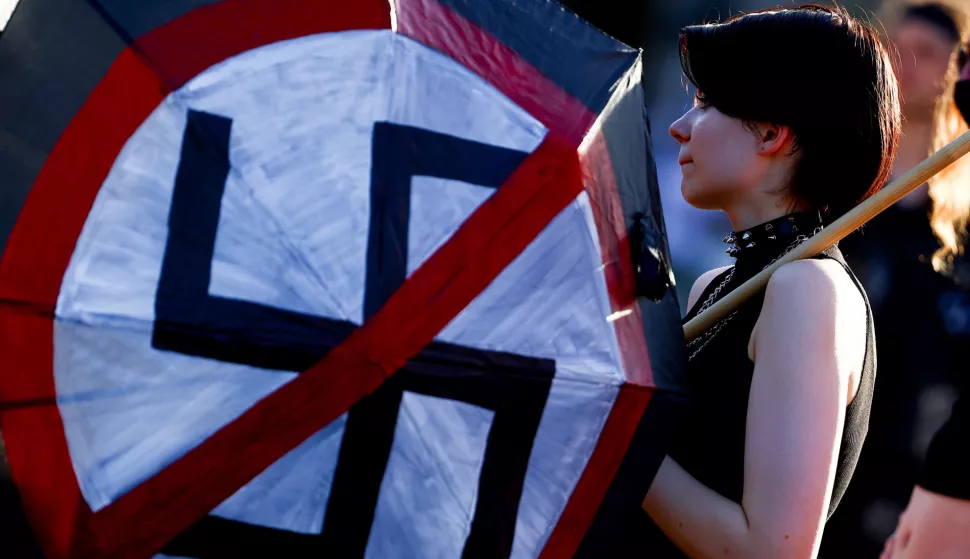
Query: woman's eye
{"x": 700, "y": 100}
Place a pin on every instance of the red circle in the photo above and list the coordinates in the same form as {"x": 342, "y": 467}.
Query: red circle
{"x": 42, "y": 244}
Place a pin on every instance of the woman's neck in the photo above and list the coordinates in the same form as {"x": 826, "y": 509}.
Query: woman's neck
{"x": 769, "y": 198}
{"x": 746, "y": 216}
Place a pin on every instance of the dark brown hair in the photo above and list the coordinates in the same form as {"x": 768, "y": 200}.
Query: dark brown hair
{"x": 818, "y": 71}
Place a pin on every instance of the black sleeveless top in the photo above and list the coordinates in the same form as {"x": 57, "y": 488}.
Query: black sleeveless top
{"x": 710, "y": 445}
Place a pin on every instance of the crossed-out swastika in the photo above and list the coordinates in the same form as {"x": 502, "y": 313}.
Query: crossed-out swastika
{"x": 191, "y": 321}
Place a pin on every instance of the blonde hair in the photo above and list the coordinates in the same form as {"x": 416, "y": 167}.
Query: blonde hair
{"x": 950, "y": 189}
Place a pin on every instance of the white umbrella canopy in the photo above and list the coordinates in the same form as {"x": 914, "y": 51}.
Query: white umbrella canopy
{"x": 347, "y": 279}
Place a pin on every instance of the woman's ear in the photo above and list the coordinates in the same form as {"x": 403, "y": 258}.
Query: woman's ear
{"x": 774, "y": 138}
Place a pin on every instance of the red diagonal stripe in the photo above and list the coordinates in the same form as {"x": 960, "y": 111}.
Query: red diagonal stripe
{"x": 144, "y": 520}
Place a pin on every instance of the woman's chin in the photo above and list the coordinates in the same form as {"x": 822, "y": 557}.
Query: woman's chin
{"x": 696, "y": 197}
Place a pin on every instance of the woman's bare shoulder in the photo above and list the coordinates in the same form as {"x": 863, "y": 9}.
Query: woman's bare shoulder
{"x": 821, "y": 288}
{"x": 825, "y": 279}
{"x": 816, "y": 303}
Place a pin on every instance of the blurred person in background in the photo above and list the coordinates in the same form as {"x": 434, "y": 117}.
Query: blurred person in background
{"x": 936, "y": 522}
{"x": 893, "y": 256}
{"x": 781, "y": 388}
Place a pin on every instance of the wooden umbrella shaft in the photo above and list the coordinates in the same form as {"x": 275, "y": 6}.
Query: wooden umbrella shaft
{"x": 833, "y": 233}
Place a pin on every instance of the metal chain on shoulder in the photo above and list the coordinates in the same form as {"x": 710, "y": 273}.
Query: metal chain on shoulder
{"x": 700, "y": 342}
{"x": 717, "y": 291}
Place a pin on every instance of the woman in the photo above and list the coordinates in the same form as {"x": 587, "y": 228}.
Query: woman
{"x": 926, "y": 36}
{"x": 796, "y": 121}
{"x": 936, "y": 520}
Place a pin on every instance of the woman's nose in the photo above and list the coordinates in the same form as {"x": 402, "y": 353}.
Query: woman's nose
{"x": 680, "y": 130}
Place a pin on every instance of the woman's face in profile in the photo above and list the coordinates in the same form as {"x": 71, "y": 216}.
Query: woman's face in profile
{"x": 924, "y": 57}
{"x": 718, "y": 156}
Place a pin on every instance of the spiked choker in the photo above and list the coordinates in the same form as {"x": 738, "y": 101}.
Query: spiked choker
{"x": 773, "y": 235}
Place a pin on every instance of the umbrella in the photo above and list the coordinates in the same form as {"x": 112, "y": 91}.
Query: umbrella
{"x": 310, "y": 277}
